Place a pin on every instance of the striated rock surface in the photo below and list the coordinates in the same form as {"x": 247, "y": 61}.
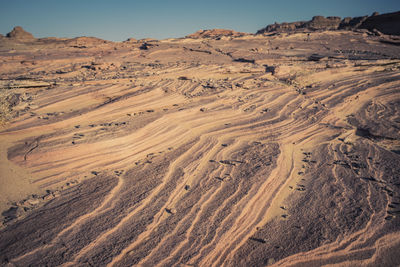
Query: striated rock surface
{"x": 280, "y": 150}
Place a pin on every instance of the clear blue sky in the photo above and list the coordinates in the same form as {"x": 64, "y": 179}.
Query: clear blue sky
{"x": 118, "y": 20}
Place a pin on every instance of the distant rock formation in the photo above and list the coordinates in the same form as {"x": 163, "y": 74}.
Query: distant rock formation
{"x": 350, "y": 23}
{"x": 317, "y": 23}
{"x": 85, "y": 42}
{"x": 386, "y": 23}
{"x": 215, "y": 34}
{"x": 18, "y": 33}
{"x": 322, "y": 23}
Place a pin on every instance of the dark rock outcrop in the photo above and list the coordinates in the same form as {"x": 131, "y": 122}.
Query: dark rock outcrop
{"x": 350, "y": 23}
{"x": 388, "y": 23}
{"x": 322, "y": 23}
{"x": 282, "y": 27}
{"x": 18, "y": 33}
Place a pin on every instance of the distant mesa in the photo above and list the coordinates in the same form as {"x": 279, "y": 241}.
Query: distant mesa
{"x": 386, "y": 23}
{"x": 215, "y": 34}
{"x": 18, "y": 33}
{"x": 316, "y": 23}
{"x": 322, "y": 23}
{"x": 84, "y": 42}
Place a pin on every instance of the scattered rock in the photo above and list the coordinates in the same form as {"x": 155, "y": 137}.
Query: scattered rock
{"x": 169, "y": 211}
{"x": 11, "y": 214}
{"x": 13, "y": 100}
{"x": 145, "y": 46}
{"x": 244, "y": 60}
{"x": 258, "y": 240}
{"x": 316, "y": 57}
{"x": 270, "y": 69}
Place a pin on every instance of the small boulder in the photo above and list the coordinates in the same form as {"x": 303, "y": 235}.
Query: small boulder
{"x": 131, "y": 40}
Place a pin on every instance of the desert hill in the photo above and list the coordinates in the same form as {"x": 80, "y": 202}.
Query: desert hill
{"x": 20, "y": 34}
{"x": 220, "y": 149}
{"x": 215, "y": 33}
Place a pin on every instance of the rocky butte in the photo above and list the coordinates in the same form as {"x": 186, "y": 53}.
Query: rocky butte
{"x": 20, "y": 34}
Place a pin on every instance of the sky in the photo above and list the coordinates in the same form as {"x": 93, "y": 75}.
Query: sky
{"x": 118, "y": 20}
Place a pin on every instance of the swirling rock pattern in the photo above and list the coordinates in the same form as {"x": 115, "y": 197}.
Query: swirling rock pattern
{"x": 253, "y": 151}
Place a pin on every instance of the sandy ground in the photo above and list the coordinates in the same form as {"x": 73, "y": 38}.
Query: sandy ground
{"x": 259, "y": 150}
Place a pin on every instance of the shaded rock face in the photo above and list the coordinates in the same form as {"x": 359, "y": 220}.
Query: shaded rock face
{"x": 20, "y": 34}
{"x": 386, "y": 23}
{"x": 215, "y": 33}
{"x": 350, "y": 23}
{"x": 282, "y": 27}
{"x": 322, "y": 23}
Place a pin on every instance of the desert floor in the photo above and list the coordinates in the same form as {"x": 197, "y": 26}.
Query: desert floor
{"x": 250, "y": 151}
